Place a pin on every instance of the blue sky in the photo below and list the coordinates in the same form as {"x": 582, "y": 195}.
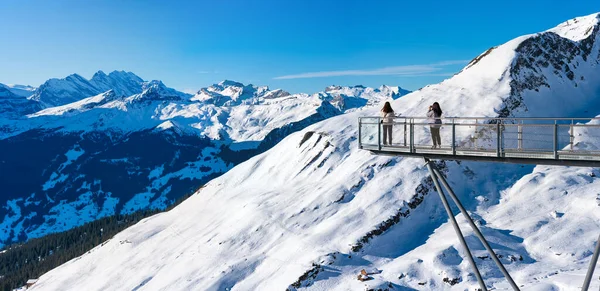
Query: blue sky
{"x": 300, "y": 46}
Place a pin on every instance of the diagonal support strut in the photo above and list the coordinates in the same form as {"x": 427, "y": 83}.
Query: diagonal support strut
{"x": 475, "y": 229}
{"x": 431, "y": 168}
{"x": 590, "y": 272}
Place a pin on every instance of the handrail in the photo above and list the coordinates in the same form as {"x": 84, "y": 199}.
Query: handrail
{"x": 500, "y": 118}
{"x": 503, "y": 138}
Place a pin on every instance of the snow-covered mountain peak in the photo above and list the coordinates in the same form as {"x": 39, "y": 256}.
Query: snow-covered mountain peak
{"x": 277, "y": 93}
{"x": 123, "y": 75}
{"x": 388, "y": 88}
{"x": 20, "y": 90}
{"x": 357, "y": 90}
{"x": 99, "y": 75}
{"x": 230, "y": 83}
{"x": 232, "y": 93}
{"x": 234, "y": 90}
{"x": 393, "y": 91}
{"x": 56, "y": 92}
{"x": 117, "y": 76}
{"x": 124, "y": 83}
{"x": 166, "y": 125}
{"x": 349, "y": 98}
{"x": 153, "y": 85}
{"x": 74, "y": 78}
{"x": 551, "y": 62}
{"x": 577, "y": 28}
{"x": 175, "y": 128}
{"x": 156, "y": 90}
{"x": 332, "y": 88}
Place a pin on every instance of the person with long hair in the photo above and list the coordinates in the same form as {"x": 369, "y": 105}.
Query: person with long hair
{"x": 387, "y": 120}
{"x": 435, "y": 122}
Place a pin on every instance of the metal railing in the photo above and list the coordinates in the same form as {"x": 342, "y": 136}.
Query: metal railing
{"x": 526, "y": 140}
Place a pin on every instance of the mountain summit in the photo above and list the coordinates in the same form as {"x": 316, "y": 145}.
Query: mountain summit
{"x": 56, "y": 92}
{"x": 121, "y": 82}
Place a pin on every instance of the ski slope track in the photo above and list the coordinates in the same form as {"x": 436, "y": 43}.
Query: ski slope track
{"x": 314, "y": 210}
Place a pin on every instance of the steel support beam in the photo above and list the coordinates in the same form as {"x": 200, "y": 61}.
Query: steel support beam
{"x": 476, "y": 229}
{"x": 455, "y": 225}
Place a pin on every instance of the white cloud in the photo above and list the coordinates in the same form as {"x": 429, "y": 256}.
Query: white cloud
{"x": 411, "y": 70}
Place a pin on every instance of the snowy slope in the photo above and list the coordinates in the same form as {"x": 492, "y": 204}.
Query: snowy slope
{"x": 314, "y": 210}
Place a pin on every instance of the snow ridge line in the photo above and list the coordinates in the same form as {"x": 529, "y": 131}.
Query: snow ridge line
{"x": 424, "y": 188}
{"x": 557, "y": 53}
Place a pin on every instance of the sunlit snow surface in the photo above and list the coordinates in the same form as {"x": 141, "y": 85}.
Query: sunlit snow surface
{"x": 268, "y": 221}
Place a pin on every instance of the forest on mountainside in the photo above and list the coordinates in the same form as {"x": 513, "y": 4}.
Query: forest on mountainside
{"x": 30, "y": 260}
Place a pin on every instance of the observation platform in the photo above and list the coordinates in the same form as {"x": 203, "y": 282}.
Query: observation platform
{"x": 547, "y": 141}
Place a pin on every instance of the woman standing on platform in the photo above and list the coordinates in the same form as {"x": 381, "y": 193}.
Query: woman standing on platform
{"x": 387, "y": 120}
{"x": 435, "y": 122}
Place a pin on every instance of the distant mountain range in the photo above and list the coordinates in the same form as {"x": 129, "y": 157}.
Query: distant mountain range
{"x": 76, "y": 150}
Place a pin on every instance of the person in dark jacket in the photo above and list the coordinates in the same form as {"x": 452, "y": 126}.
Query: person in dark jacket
{"x": 435, "y": 122}
{"x": 387, "y": 120}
